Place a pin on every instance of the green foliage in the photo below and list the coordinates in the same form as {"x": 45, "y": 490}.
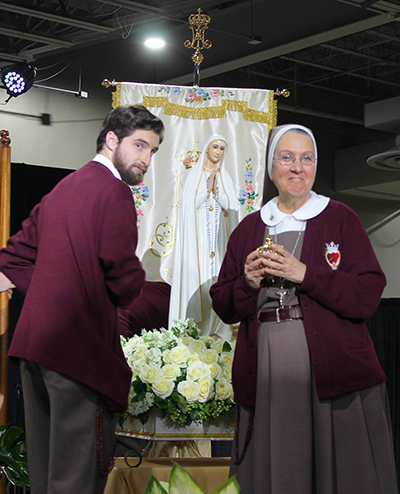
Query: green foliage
{"x": 13, "y": 460}
{"x": 181, "y": 482}
{"x": 155, "y": 487}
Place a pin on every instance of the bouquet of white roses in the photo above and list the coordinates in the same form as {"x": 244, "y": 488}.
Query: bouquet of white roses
{"x": 178, "y": 371}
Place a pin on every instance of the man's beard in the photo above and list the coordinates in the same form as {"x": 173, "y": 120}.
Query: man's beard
{"x": 128, "y": 174}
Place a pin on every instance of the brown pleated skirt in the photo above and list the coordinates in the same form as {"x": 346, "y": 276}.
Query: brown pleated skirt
{"x": 302, "y": 445}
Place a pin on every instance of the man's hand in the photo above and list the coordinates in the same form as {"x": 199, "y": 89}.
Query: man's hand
{"x": 6, "y": 285}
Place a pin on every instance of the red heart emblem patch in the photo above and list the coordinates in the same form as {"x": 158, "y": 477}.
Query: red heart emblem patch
{"x": 333, "y": 257}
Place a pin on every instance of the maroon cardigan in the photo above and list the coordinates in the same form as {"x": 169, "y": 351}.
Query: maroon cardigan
{"x": 75, "y": 260}
{"x": 334, "y": 303}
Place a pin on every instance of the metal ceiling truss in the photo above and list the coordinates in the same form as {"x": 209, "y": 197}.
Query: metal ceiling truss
{"x": 361, "y": 61}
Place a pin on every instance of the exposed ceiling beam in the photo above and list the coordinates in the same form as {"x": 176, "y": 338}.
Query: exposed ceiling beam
{"x": 287, "y": 48}
{"x": 14, "y": 33}
{"x": 361, "y": 55}
{"x": 340, "y": 71}
{"x": 134, "y": 6}
{"x": 16, "y": 9}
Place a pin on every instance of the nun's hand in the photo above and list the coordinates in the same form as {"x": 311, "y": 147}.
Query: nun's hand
{"x": 283, "y": 264}
{"x": 254, "y": 269}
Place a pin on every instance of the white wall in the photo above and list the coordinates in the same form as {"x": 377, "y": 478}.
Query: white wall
{"x": 70, "y": 140}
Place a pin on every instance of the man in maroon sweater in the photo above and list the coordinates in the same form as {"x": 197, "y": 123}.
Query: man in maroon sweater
{"x": 75, "y": 260}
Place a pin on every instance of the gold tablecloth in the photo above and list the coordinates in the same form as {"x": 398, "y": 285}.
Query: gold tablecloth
{"x": 209, "y": 473}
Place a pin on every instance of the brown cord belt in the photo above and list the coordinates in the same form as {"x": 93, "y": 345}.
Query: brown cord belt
{"x": 281, "y": 314}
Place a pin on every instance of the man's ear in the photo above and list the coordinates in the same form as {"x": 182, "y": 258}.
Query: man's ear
{"x": 112, "y": 140}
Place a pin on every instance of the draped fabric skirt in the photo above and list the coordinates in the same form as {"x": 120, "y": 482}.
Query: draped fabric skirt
{"x": 302, "y": 445}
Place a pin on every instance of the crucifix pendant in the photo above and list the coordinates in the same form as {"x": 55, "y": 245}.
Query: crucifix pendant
{"x": 281, "y": 294}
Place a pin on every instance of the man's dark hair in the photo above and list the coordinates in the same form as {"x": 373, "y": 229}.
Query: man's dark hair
{"x": 124, "y": 120}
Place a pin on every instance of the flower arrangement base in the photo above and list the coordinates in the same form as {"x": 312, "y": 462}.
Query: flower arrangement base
{"x": 158, "y": 429}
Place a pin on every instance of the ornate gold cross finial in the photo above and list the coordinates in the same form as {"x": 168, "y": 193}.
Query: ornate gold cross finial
{"x": 198, "y": 24}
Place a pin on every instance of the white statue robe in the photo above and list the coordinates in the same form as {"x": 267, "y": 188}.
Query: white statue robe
{"x": 201, "y": 232}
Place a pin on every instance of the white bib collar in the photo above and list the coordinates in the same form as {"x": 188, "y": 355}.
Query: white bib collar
{"x": 272, "y": 216}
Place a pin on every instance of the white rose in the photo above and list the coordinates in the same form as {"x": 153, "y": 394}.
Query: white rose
{"x": 149, "y": 373}
{"x": 197, "y": 370}
{"x": 226, "y": 359}
{"x": 206, "y": 389}
{"x": 227, "y": 372}
{"x": 185, "y": 340}
{"x": 195, "y": 358}
{"x": 223, "y": 390}
{"x": 179, "y": 355}
{"x": 208, "y": 340}
{"x": 210, "y": 356}
{"x": 197, "y": 346}
{"x": 216, "y": 371}
{"x": 166, "y": 356}
{"x": 141, "y": 352}
{"x": 189, "y": 390}
{"x": 137, "y": 365}
{"x": 163, "y": 387}
{"x": 171, "y": 371}
{"x": 217, "y": 345}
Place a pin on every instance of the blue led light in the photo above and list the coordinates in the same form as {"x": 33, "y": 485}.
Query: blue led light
{"x": 18, "y": 78}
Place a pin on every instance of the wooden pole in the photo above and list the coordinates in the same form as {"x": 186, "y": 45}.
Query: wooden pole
{"x": 5, "y": 181}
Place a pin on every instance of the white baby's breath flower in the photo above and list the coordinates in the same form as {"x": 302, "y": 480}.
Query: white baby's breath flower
{"x": 189, "y": 390}
{"x": 149, "y": 373}
{"x": 223, "y": 390}
{"x": 154, "y": 356}
{"x": 139, "y": 407}
{"x": 216, "y": 371}
{"x": 163, "y": 387}
{"x": 179, "y": 355}
{"x": 217, "y": 345}
{"x": 197, "y": 370}
{"x": 206, "y": 389}
{"x": 210, "y": 356}
{"x": 171, "y": 371}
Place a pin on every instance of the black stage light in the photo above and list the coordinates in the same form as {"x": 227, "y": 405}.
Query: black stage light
{"x": 17, "y": 79}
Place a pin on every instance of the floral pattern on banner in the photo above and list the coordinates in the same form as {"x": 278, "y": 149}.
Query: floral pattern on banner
{"x": 185, "y": 375}
{"x": 140, "y": 194}
{"x": 196, "y": 94}
{"x": 247, "y": 195}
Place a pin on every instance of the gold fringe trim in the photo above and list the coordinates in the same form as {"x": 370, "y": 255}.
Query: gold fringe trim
{"x": 273, "y": 105}
{"x": 215, "y": 111}
{"x": 116, "y": 96}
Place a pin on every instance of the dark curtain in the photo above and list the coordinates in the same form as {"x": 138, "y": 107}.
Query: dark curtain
{"x": 384, "y": 328}
{"x": 28, "y": 185}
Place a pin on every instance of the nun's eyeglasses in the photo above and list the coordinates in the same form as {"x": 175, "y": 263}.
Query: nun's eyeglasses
{"x": 289, "y": 159}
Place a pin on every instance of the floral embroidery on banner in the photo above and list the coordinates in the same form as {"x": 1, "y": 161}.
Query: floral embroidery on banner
{"x": 247, "y": 195}
{"x": 140, "y": 194}
{"x": 196, "y": 94}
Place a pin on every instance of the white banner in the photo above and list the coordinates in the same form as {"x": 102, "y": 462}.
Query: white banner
{"x": 191, "y": 115}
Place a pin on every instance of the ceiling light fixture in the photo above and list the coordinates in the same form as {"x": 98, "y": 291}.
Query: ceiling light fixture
{"x": 17, "y": 79}
{"x": 154, "y": 43}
